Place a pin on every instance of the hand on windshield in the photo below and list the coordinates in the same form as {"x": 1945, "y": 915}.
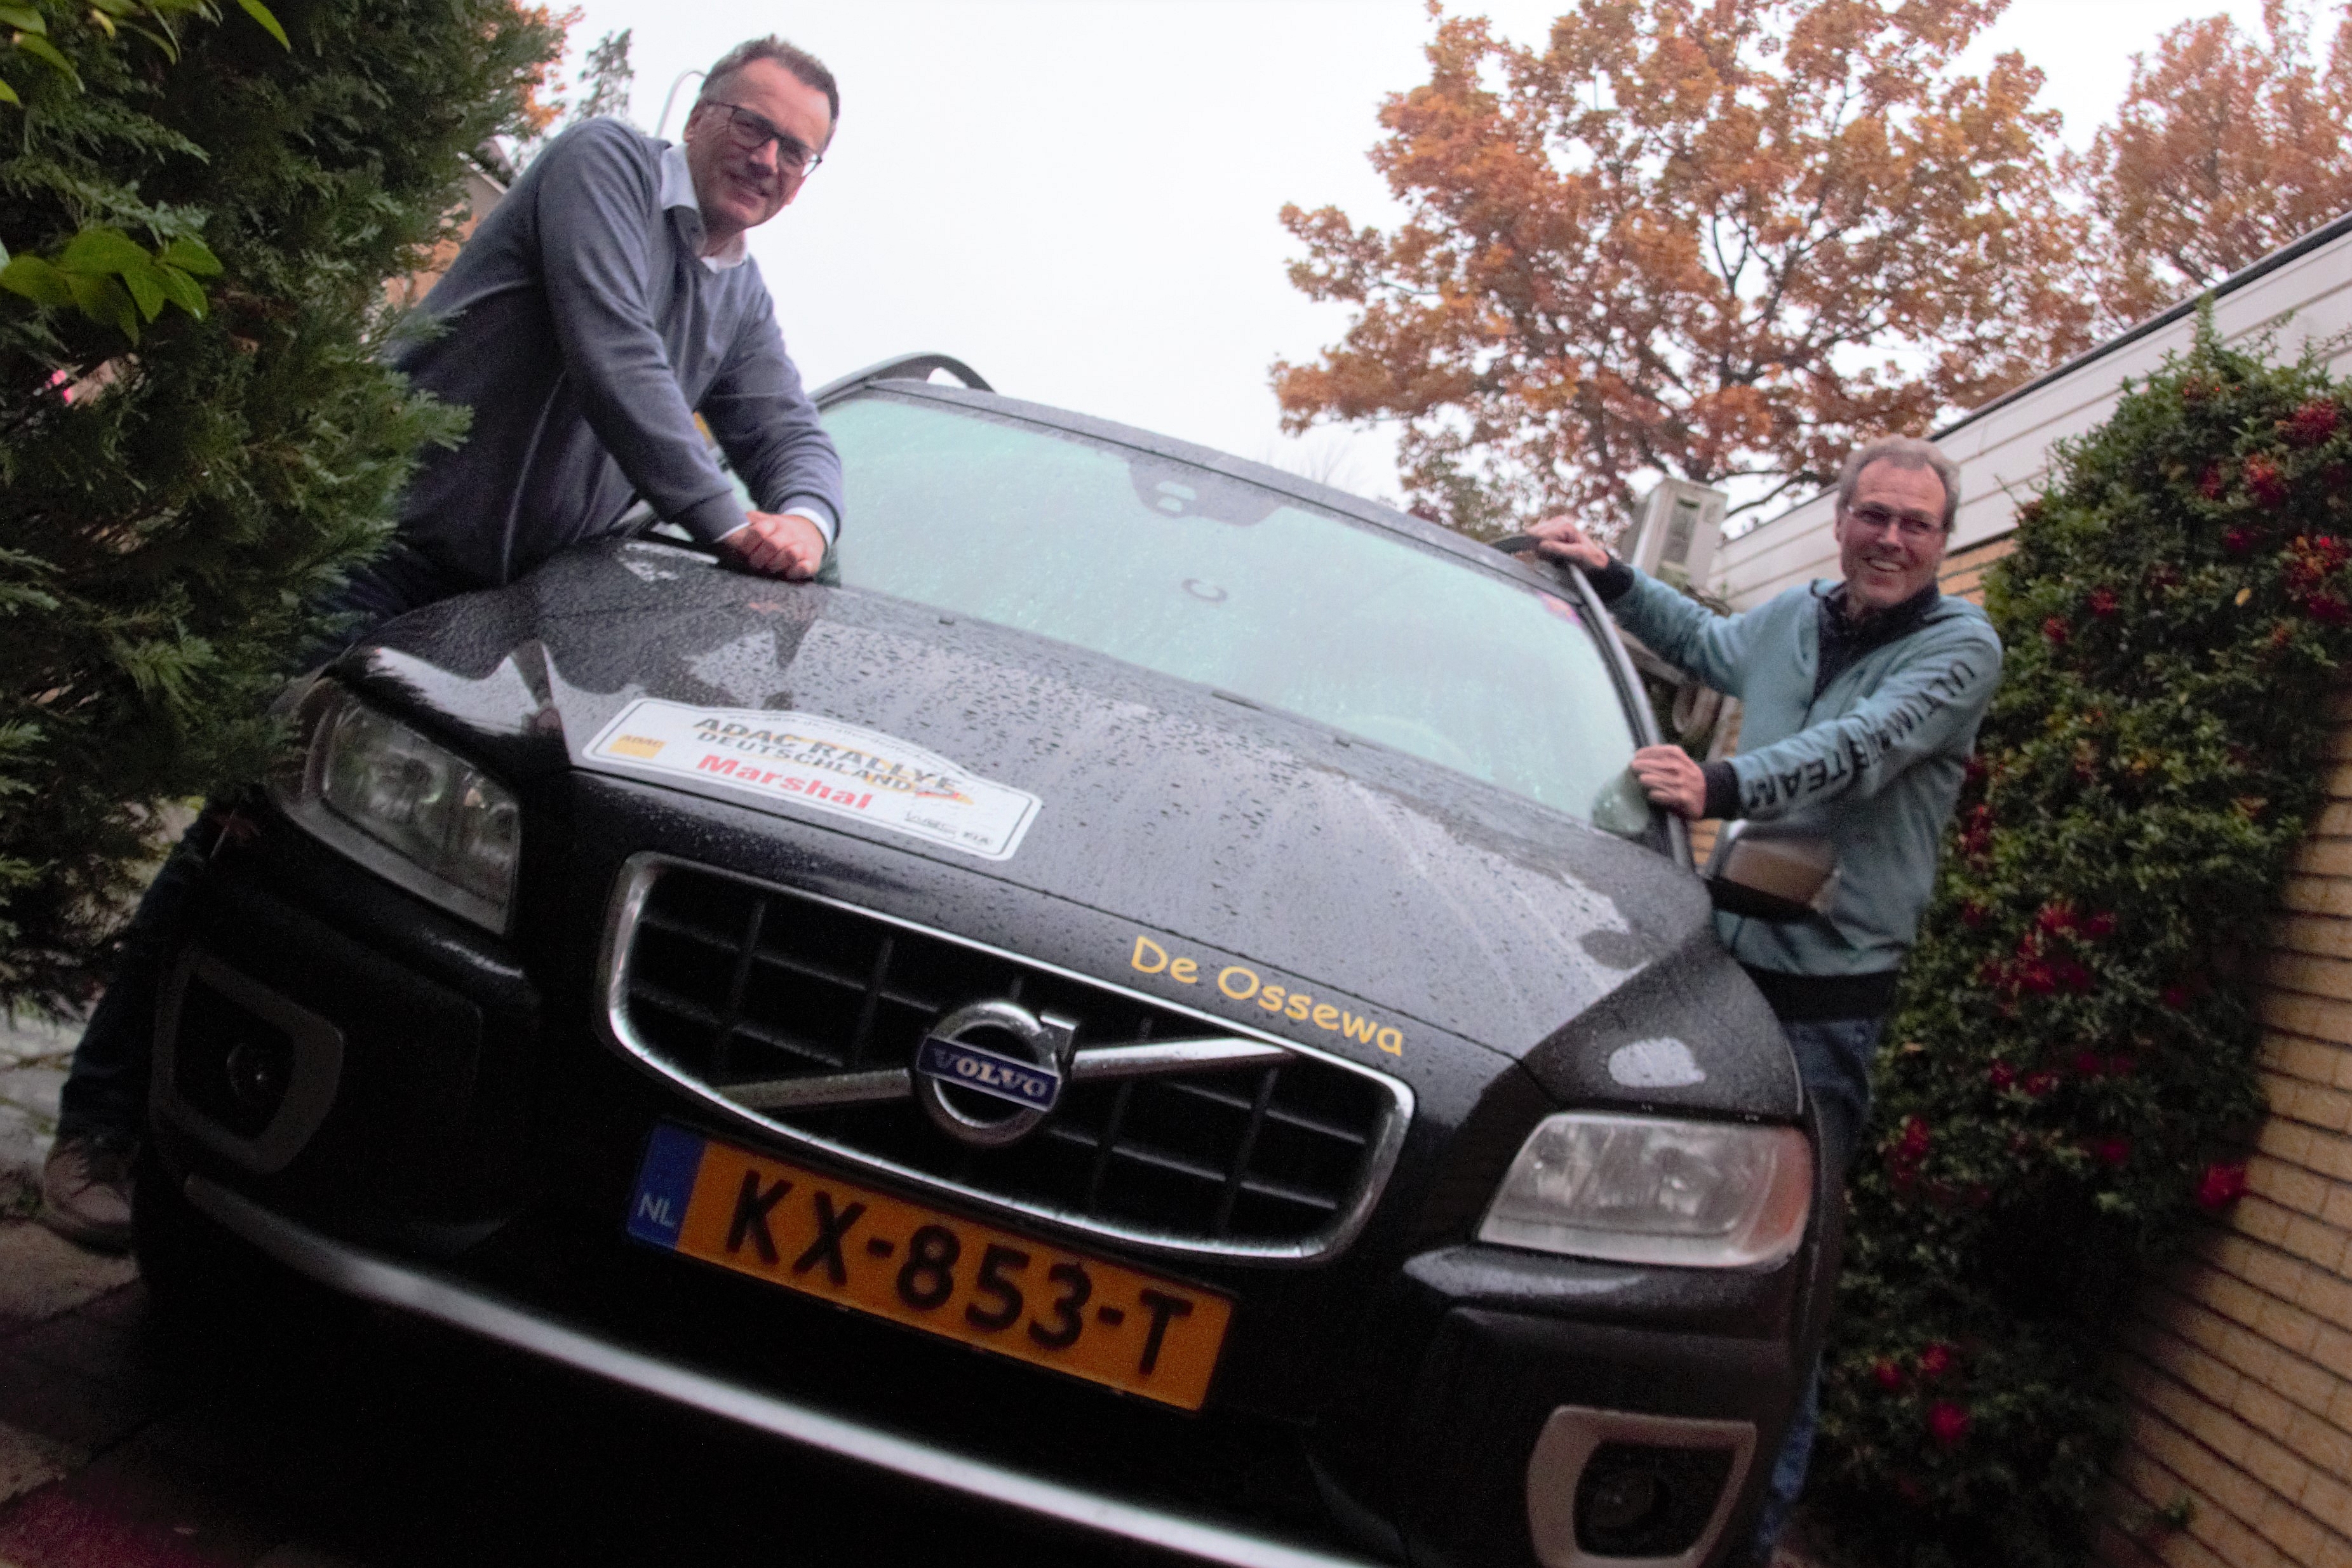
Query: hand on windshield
{"x": 1561, "y": 538}
{"x": 1669, "y": 777}
{"x": 775, "y": 544}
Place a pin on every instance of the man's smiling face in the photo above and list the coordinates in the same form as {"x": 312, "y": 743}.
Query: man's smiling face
{"x": 739, "y": 187}
{"x": 1891, "y": 536}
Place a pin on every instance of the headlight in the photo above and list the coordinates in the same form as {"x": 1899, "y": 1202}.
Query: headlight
{"x": 1649, "y": 1189}
{"x": 405, "y": 806}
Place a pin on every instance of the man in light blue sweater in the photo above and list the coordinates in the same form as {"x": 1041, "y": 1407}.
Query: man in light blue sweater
{"x": 606, "y": 301}
{"x": 1860, "y": 705}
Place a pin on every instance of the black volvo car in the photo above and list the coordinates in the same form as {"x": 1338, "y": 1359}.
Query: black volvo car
{"x": 1148, "y": 997}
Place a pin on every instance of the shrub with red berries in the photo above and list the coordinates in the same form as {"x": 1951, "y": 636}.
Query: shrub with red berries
{"x": 2067, "y": 1087}
{"x": 2223, "y": 1184}
{"x": 2313, "y": 424}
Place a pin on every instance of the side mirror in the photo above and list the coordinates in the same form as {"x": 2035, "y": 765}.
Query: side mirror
{"x": 1770, "y": 876}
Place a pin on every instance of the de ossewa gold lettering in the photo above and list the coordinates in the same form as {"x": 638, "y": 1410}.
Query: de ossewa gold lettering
{"x": 1238, "y": 984}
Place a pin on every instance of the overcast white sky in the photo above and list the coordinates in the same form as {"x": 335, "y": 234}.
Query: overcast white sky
{"x": 1078, "y": 197}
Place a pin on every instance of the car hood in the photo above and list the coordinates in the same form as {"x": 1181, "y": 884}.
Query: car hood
{"x": 1200, "y": 819}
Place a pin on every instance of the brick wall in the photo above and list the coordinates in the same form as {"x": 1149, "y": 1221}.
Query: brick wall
{"x": 2239, "y": 1361}
{"x": 1963, "y": 570}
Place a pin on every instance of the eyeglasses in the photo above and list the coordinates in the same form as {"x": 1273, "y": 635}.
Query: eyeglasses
{"x": 1914, "y": 529}
{"x": 750, "y": 133}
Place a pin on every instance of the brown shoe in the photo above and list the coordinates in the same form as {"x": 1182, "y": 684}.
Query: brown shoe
{"x": 86, "y": 1192}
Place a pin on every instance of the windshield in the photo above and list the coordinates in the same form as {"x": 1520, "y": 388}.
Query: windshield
{"x": 1214, "y": 579}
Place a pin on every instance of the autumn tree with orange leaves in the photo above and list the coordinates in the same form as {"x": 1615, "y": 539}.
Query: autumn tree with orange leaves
{"x": 542, "y": 99}
{"x": 2226, "y": 147}
{"x": 1719, "y": 239}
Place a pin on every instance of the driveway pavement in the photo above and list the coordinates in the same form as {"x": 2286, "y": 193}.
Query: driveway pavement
{"x": 100, "y": 1464}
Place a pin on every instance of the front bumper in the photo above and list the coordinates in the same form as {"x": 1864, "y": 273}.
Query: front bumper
{"x": 1422, "y": 1398}
{"x": 371, "y": 1276}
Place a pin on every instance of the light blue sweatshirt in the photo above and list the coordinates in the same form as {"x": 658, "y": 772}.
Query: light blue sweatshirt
{"x": 1874, "y": 760}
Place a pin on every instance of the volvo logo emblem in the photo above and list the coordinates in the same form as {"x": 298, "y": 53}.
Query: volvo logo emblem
{"x": 989, "y": 1054}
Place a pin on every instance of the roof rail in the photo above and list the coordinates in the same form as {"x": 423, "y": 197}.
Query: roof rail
{"x": 904, "y": 368}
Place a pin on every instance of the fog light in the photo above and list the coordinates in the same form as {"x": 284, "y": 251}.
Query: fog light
{"x": 229, "y": 1062}
{"x": 1641, "y": 1500}
{"x": 256, "y": 1073}
{"x": 1622, "y": 1489}
{"x": 240, "y": 1068}
{"x": 1613, "y": 1501}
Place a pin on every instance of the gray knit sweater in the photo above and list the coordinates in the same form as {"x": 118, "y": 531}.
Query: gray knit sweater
{"x": 583, "y": 332}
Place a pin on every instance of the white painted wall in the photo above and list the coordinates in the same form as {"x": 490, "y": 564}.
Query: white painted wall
{"x": 2004, "y": 450}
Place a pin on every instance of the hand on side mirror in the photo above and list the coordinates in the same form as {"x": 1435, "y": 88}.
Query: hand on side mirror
{"x": 1671, "y": 780}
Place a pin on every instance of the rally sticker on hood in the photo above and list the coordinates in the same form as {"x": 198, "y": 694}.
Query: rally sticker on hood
{"x": 808, "y": 760}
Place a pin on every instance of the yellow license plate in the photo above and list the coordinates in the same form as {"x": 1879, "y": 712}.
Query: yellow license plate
{"x": 859, "y": 1247}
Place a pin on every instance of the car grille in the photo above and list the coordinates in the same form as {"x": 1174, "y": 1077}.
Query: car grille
{"x": 804, "y": 1015}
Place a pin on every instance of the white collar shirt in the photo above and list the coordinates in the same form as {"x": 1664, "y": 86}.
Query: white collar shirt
{"x": 678, "y": 197}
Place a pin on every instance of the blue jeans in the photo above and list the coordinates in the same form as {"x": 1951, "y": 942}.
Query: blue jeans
{"x": 1834, "y": 1058}
{"x": 105, "y": 1093}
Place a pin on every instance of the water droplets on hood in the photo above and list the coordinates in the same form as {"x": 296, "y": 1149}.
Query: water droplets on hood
{"x": 745, "y": 669}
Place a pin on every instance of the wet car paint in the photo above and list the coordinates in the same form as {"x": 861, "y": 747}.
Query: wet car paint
{"x": 1524, "y": 960}
{"x": 1243, "y": 839}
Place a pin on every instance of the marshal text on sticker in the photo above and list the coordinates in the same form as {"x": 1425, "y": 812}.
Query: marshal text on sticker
{"x": 769, "y": 758}
{"x": 1240, "y": 983}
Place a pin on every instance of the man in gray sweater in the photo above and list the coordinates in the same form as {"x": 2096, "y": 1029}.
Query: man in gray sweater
{"x": 606, "y": 301}
{"x": 602, "y": 305}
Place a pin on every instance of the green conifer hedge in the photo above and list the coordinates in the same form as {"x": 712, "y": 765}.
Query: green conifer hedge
{"x": 2068, "y": 1082}
{"x": 195, "y": 438}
